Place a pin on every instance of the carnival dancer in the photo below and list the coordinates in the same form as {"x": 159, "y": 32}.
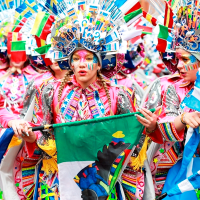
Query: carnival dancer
{"x": 24, "y": 188}
{"x": 175, "y": 115}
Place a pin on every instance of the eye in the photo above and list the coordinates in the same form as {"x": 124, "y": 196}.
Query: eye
{"x": 185, "y": 59}
{"x": 89, "y": 58}
{"x": 75, "y": 58}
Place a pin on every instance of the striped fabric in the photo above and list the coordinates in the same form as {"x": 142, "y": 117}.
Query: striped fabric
{"x": 169, "y": 132}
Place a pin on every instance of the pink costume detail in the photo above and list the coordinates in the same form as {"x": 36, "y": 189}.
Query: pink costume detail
{"x": 12, "y": 92}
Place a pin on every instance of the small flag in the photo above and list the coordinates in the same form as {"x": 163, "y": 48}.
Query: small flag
{"x": 81, "y": 5}
{"x": 24, "y": 9}
{"x": 162, "y": 38}
{"x": 150, "y": 18}
{"x": 18, "y": 51}
{"x": 5, "y": 138}
{"x": 12, "y": 36}
{"x": 130, "y": 6}
{"x": 145, "y": 30}
{"x": 42, "y": 25}
{"x": 133, "y": 16}
{"x": 42, "y": 50}
{"x": 52, "y": 5}
{"x": 19, "y": 23}
{"x": 168, "y": 20}
{"x": 39, "y": 42}
{"x": 71, "y": 12}
{"x": 128, "y": 35}
{"x": 32, "y": 4}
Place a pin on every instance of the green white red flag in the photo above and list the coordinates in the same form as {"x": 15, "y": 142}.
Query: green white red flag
{"x": 42, "y": 51}
{"x": 18, "y": 51}
{"x": 133, "y": 16}
{"x": 41, "y": 43}
{"x": 162, "y": 38}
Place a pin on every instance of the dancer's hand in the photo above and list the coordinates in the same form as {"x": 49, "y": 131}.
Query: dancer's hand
{"x": 21, "y": 129}
{"x": 149, "y": 120}
{"x": 192, "y": 119}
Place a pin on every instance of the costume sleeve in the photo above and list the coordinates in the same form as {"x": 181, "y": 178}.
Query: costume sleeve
{"x": 28, "y": 97}
{"x": 153, "y": 99}
{"x": 42, "y": 114}
{"x": 170, "y": 110}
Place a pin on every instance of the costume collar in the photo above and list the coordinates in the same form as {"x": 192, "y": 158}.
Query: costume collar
{"x": 175, "y": 75}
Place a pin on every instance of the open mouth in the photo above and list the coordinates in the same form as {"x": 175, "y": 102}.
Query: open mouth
{"x": 82, "y": 72}
{"x": 183, "y": 74}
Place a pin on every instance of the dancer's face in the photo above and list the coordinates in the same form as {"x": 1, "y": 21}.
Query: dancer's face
{"x": 85, "y": 65}
{"x": 187, "y": 65}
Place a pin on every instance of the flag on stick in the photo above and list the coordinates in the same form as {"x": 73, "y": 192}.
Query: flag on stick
{"x": 150, "y": 18}
{"x": 12, "y": 36}
{"x": 42, "y": 25}
{"x": 19, "y": 23}
{"x": 18, "y": 51}
{"x": 42, "y": 50}
{"x": 133, "y": 16}
{"x": 92, "y": 153}
{"x": 162, "y": 38}
{"x": 168, "y": 20}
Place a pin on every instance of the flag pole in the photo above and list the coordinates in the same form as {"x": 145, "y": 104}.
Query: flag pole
{"x": 162, "y": 196}
{"x": 41, "y": 128}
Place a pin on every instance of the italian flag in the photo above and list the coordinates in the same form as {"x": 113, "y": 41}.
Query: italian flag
{"x": 18, "y": 51}
{"x": 42, "y": 51}
{"x": 12, "y": 36}
{"x": 42, "y": 25}
{"x": 133, "y": 16}
{"x": 92, "y": 154}
{"x": 162, "y": 38}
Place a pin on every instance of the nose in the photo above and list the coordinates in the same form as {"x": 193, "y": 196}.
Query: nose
{"x": 180, "y": 65}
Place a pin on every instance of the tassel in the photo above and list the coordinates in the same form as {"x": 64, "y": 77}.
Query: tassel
{"x": 14, "y": 142}
{"x": 138, "y": 163}
{"x": 50, "y": 165}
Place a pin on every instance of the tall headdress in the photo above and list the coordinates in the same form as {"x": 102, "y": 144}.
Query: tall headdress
{"x": 186, "y": 32}
{"x": 102, "y": 27}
